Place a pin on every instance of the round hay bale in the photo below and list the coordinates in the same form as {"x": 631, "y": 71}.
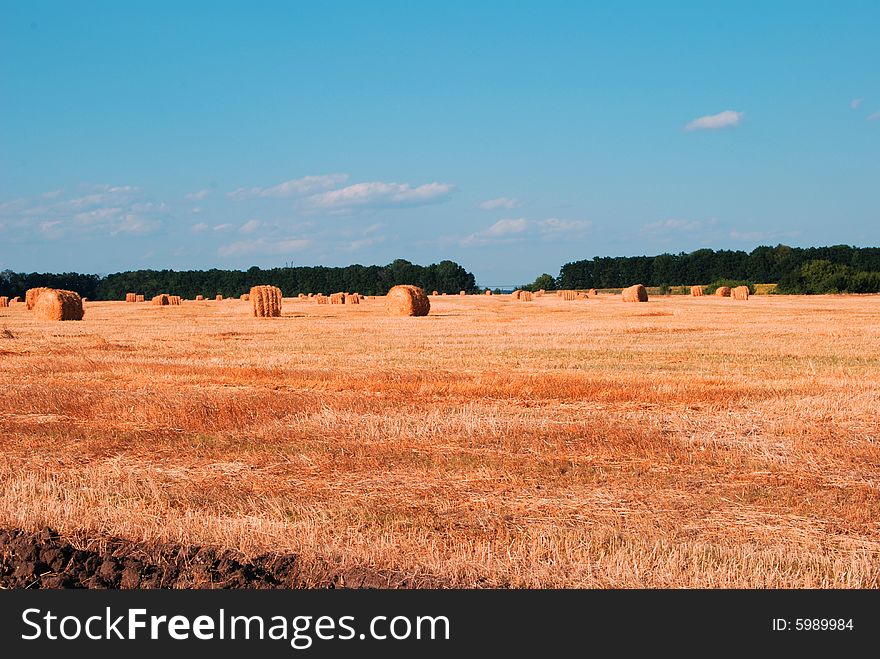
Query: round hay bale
{"x": 244, "y": 297}
{"x": 723, "y": 291}
{"x": 462, "y": 293}
{"x": 337, "y": 298}
{"x": 435, "y": 293}
{"x": 697, "y": 291}
{"x": 592, "y": 292}
{"x": 218, "y": 298}
{"x": 16, "y": 299}
{"x": 31, "y": 295}
{"x": 406, "y": 300}
{"x": 54, "y": 304}
{"x": 266, "y": 301}
{"x": 199, "y": 298}
{"x": 740, "y": 293}
{"x": 636, "y": 293}
{"x": 161, "y": 300}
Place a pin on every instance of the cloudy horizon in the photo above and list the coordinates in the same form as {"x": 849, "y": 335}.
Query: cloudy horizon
{"x": 562, "y": 133}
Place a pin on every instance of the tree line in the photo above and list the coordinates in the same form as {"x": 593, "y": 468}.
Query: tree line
{"x": 836, "y": 269}
{"x": 444, "y": 277}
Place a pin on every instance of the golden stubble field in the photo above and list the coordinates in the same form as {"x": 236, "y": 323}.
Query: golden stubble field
{"x": 696, "y": 442}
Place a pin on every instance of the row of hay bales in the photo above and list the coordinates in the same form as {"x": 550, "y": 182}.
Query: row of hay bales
{"x": 738, "y": 293}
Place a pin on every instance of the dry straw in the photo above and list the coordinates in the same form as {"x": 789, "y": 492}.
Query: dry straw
{"x": 723, "y": 291}
{"x": 406, "y": 300}
{"x": 266, "y": 301}
{"x": 31, "y": 295}
{"x": 636, "y": 293}
{"x": 4, "y": 301}
{"x": 740, "y": 293}
{"x": 697, "y": 291}
{"x": 54, "y": 304}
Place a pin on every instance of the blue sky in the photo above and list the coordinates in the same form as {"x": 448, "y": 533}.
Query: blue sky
{"x": 508, "y": 136}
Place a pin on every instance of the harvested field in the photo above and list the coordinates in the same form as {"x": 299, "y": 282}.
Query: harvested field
{"x": 676, "y": 443}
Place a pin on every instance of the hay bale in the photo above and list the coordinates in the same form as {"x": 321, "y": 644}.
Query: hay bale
{"x": 354, "y": 298}
{"x": 740, "y": 293}
{"x": 462, "y": 293}
{"x": 525, "y": 296}
{"x": 697, "y": 291}
{"x": 244, "y": 297}
{"x": 723, "y": 291}
{"x": 636, "y": 293}
{"x": 488, "y": 292}
{"x": 139, "y": 298}
{"x": 4, "y": 301}
{"x": 218, "y": 298}
{"x": 15, "y": 299}
{"x": 174, "y": 300}
{"x": 130, "y": 297}
{"x": 435, "y": 293}
{"x": 161, "y": 300}
{"x": 199, "y": 298}
{"x": 568, "y": 295}
{"x": 592, "y": 292}
{"x": 406, "y": 300}
{"x": 515, "y": 294}
{"x": 55, "y": 304}
{"x": 337, "y": 298}
{"x": 266, "y": 301}
{"x": 301, "y": 296}
{"x": 31, "y": 295}
{"x": 320, "y": 298}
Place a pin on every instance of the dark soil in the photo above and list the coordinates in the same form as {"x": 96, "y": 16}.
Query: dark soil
{"x": 45, "y": 560}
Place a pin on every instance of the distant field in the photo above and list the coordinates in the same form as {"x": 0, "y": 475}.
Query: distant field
{"x": 695, "y": 442}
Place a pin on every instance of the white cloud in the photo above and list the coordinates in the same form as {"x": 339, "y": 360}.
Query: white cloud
{"x": 293, "y": 188}
{"x": 715, "y": 121}
{"x": 52, "y": 194}
{"x": 379, "y": 194}
{"x": 195, "y": 210}
{"x": 250, "y": 226}
{"x": 199, "y": 228}
{"x": 512, "y": 230}
{"x": 665, "y": 227}
{"x": 198, "y": 196}
{"x": 501, "y": 231}
{"x": 222, "y": 227}
{"x": 553, "y": 227}
{"x": 507, "y": 203}
{"x": 855, "y": 103}
{"x": 263, "y": 246}
{"x": 874, "y": 116}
